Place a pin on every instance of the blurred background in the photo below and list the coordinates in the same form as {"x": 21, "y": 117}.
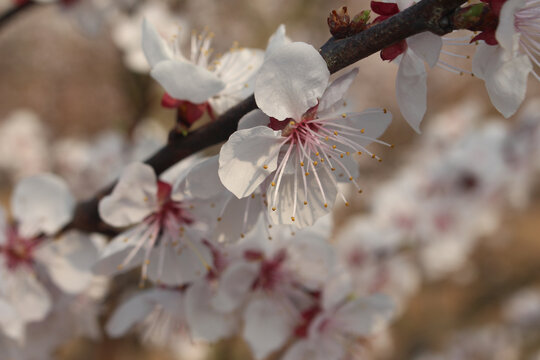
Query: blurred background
{"x": 76, "y": 99}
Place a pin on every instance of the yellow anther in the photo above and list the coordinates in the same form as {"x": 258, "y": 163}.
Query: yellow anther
{"x": 322, "y": 160}
{"x": 385, "y": 111}
{"x": 392, "y": 146}
{"x": 326, "y": 138}
{"x": 350, "y": 178}
{"x": 344, "y": 115}
{"x": 246, "y": 85}
{"x": 253, "y": 196}
{"x": 145, "y": 198}
{"x": 379, "y": 160}
{"x": 269, "y": 226}
{"x": 325, "y": 205}
{"x": 333, "y": 146}
{"x": 301, "y": 163}
{"x": 335, "y": 132}
{"x": 333, "y": 169}
{"x": 317, "y": 153}
{"x": 242, "y": 236}
{"x": 147, "y": 261}
{"x": 362, "y": 130}
{"x": 120, "y": 267}
{"x": 269, "y": 238}
{"x": 292, "y": 218}
{"x": 292, "y": 123}
{"x": 360, "y": 191}
{"x": 359, "y": 153}
{"x": 315, "y": 163}
{"x": 273, "y": 183}
{"x": 307, "y": 173}
{"x": 126, "y": 239}
{"x": 341, "y": 156}
{"x": 219, "y": 219}
{"x": 348, "y": 153}
{"x": 346, "y": 204}
{"x": 305, "y": 202}
{"x": 273, "y": 209}
{"x": 265, "y": 167}
{"x": 373, "y": 156}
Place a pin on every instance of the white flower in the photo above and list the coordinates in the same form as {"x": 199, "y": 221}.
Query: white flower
{"x": 505, "y": 67}
{"x": 164, "y": 235}
{"x": 411, "y": 88}
{"x": 41, "y": 206}
{"x": 198, "y": 79}
{"x": 296, "y": 143}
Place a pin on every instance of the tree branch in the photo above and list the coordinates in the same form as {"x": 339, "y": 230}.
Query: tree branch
{"x": 11, "y": 13}
{"x": 427, "y": 15}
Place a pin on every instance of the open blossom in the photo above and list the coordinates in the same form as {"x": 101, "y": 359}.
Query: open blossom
{"x": 411, "y": 88}
{"x": 41, "y": 206}
{"x": 504, "y": 63}
{"x": 164, "y": 231}
{"x": 299, "y": 144}
{"x": 198, "y": 83}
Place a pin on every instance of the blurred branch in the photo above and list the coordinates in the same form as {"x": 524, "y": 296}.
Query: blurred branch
{"x": 14, "y": 11}
{"x": 427, "y": 15}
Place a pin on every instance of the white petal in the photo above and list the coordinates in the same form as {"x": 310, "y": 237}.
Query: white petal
{"x": 203, "y": 181}
{"x": 365, "y": 316}
{"x": 238, "y": 70}
{"x": 506, "y": 30}
{"x": 42, "y": 203}
{"x": 239, "y": 216}
{"x": 427, "y": 46}
{"x": 128, "y": 314}
{"x": 69, "y": 261}
{"x": 267, "y": 326}
{"x": 253, "y": 118}
{"x": 204, "y": 321}
{"x": 114, "y": 254}
{"x": 411, "y": 89}
{"x": 243, "y": 157}
{"x": 10, "y": 322}
{"x": 171, "y": 267}
{"x": 374, "y": 122}
{"x": 133, "y": 198}
{"x": 335, "y": 92}
{"x": 154, "y": 47}
{"x": 234, "y": 286}
{"x": 291, "y": 81}
{"x": 186, "y": 81}
{"x": 28, "y": 295}
{"x": 505, "y": 76}
{"x": 277, "y": 40}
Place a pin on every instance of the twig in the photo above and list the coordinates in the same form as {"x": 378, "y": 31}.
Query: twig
{"x": 427, "y": 15}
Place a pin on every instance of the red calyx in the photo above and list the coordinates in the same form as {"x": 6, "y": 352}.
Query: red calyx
{"x": 384, "y": 10}
{"x": 188, "y": 112}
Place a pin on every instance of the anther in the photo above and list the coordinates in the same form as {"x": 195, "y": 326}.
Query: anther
{"x": 219, "y": 219}
{"x": 335, "y": 132}
{"x": 362, "y": 130}
{"x": 253, "y": 196}
{"x": 344, "y": 115}
{"x": 359, "y": 153}
{"x": 307, "y": 173}
{"x": 292, "y": 218}
{"x": 346, "y": 204}
{"x": 333, "y": 146}
{"x": 145, "y": 198}
{"x": 333, "y": 169}
{"x": 360, "y": 191}
{"x": 273, "y": 209}
{"x": 325, "y": 205}
{"x": 341, "y": 156}
{"x": 385, "y": 111}
{"x": 305, "y": 202}
{"x": 273, "y": 183}
{"x": 315, "y": 163}
{"x": 350, "y": 178}
{"x": 265, "y": 167}
{"x": 301, "y": 163}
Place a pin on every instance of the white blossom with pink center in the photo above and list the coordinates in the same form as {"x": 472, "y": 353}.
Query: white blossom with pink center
{"x": 297, "y": 145}
{"x": 197, "y": 79}
{"x": 165, "y": 232}
{"x": 505, "y": 67}
{"x": 273, "y": 282}
{"x": 334, "y": 327}
{"x": 41, "y": 206}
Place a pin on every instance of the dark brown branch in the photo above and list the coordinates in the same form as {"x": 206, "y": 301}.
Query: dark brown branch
{"x": 14, "y": 11}
{"x": 427, "y": 15}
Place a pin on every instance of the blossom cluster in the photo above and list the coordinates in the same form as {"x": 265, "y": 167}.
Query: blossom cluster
{"x": 240, "y": 241}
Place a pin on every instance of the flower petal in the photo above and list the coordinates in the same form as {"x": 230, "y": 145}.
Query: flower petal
{"x": 69, "y": 261}
{"x": 243, "y": 158}
{"x": 186, "y": 81}
{"x": 365, "y": 316}
{"x": 506, "y": 29}
{"x": 427, "y": 46}
{"x": 133, "y": 198}
{"x": 253, "y": 118}
{"x": 153, "y": 45}
{"x": 277, "y": 40}
{"x": 335, "y": 92}
{"x": 234, "y": 285}
{"x": 505, "y": 76}
{"x": 129, "y": 313}
{"x": 411, "y": 89}
{"x": 204, "y": 321}
{"x": 42, "y": 204}
{"x": 291, "y": 80}
{"x": 267, "y": 326}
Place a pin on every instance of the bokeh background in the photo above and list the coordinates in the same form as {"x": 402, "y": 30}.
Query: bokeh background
{"x": 74, "y": 77}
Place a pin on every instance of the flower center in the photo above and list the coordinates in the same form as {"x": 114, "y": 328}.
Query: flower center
{"x": 18, "y": 251}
